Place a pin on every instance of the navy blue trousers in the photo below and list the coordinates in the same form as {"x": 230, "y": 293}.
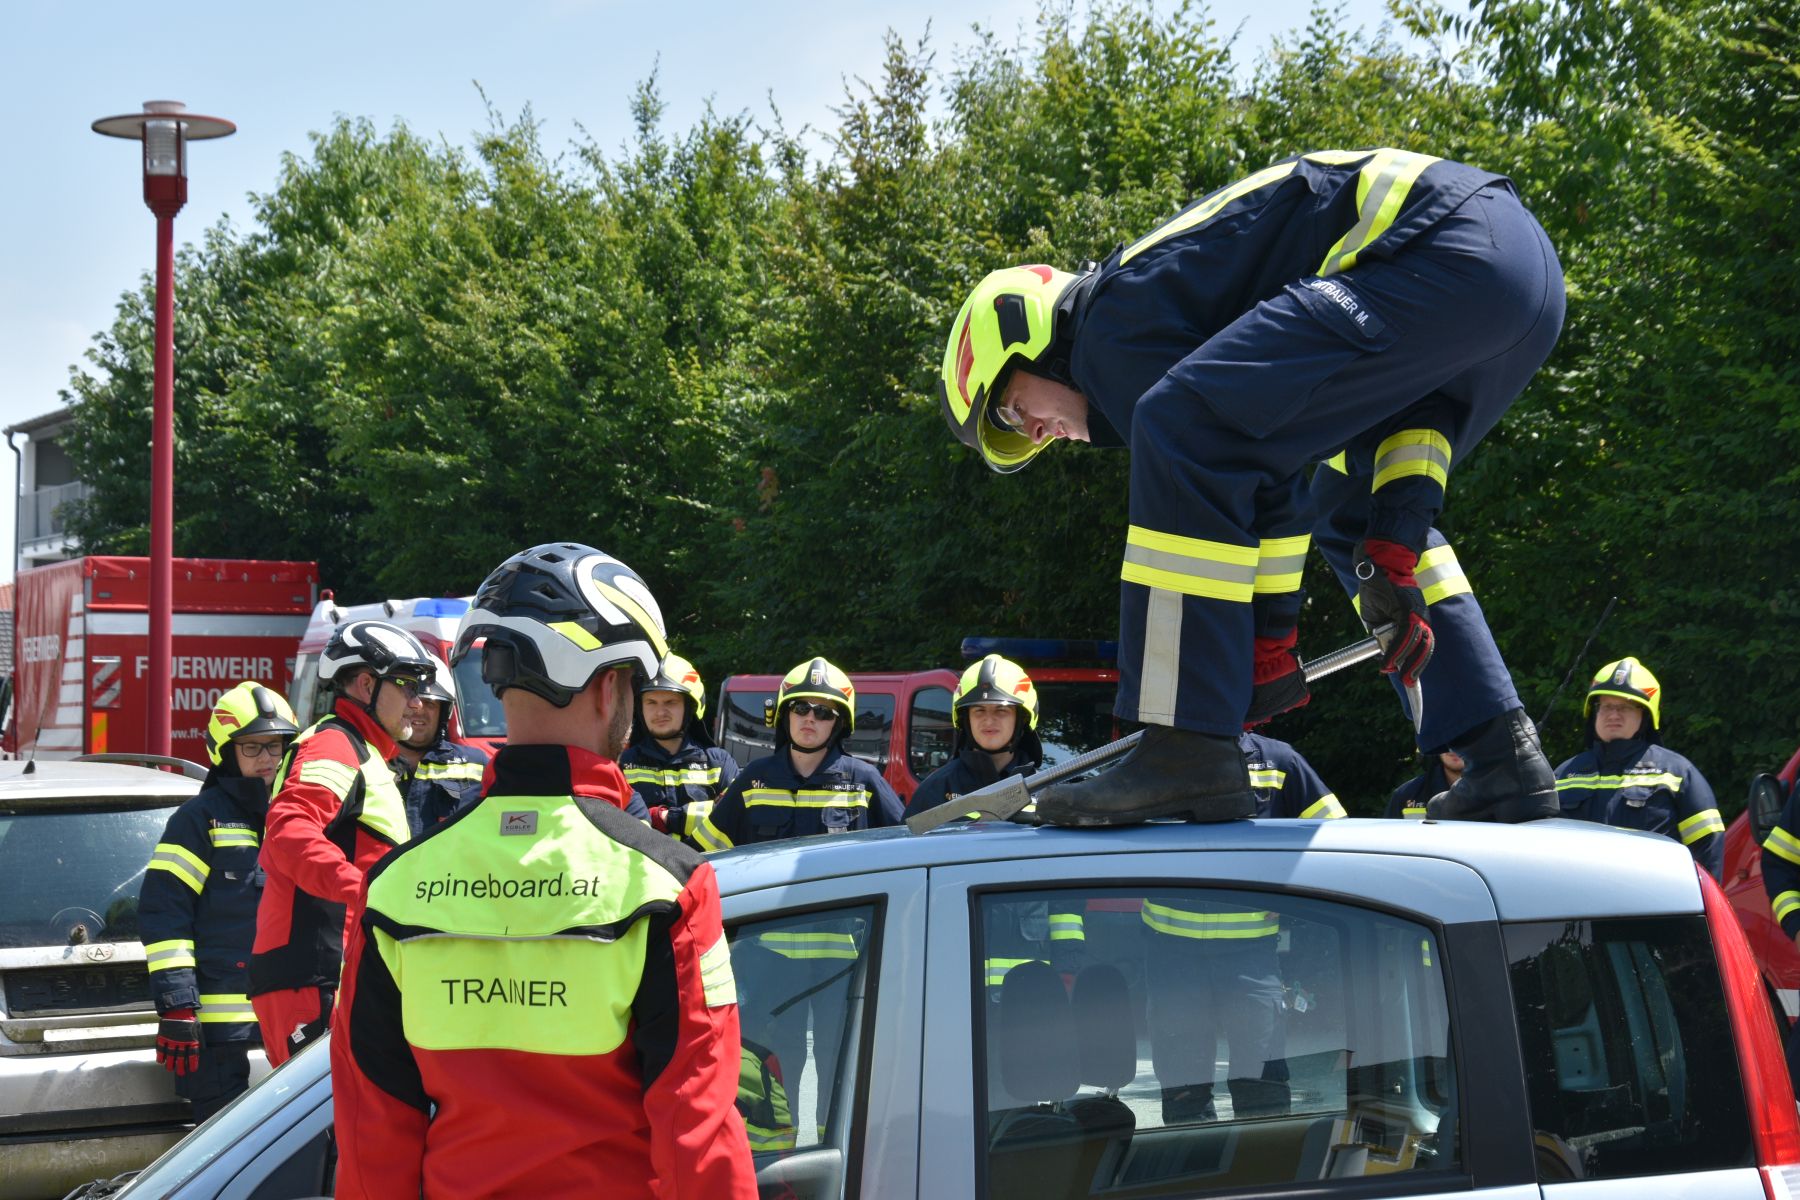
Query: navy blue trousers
{"x": 1443, "y": 337}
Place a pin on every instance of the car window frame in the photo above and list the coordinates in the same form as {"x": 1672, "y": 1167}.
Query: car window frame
{"x": 1448, "y": 898}
{"x": 881, "y": 1157}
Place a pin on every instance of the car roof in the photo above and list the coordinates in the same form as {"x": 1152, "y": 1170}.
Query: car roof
{"x": 1546, "y": 870}
{"x": 118, "y": 785}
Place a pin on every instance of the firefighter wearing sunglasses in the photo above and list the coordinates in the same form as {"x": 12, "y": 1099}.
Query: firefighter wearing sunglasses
{"x": 809, "y": 785}
{"x": 336, "y": 811}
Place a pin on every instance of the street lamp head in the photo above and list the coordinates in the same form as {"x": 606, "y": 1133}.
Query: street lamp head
{"x": 164, "y": 127}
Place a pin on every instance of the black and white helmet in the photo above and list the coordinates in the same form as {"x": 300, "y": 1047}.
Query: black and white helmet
{"x": 376, "y": 645}
{"x": 554, "y": 616}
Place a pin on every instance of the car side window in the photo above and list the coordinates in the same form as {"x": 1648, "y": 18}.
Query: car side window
{"x": 803, "y": 987}
{"x": 929, "y": 735}
{"x": 1168, "y": 1041}
{"x": 741, "y": 728}
{"x": 1629, "y": 1059}
{"x": 874, "y": 718}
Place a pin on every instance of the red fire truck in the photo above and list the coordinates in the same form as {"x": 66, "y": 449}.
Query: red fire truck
{"x": 81, "y": 651}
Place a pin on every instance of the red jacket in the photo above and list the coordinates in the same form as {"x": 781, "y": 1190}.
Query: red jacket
{"x": 335, "y": 812}
{"x": 538, "y": 1001}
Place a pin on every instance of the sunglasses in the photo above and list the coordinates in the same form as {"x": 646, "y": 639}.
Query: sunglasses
{"x": 261, "y": 749}
{"x": 824, "y": 712}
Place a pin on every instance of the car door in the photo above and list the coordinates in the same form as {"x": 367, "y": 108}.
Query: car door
{"x": 1248, "y": 1023}
{"x": 830, "y": 977}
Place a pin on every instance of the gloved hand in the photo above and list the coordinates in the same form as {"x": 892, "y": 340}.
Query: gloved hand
{"x": 1389, "y": 595}
{"x": 178, "y": 1041}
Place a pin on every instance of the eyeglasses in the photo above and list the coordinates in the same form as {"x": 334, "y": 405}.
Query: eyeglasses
{"x": 824, "y": 712}
{"x": 261, "y": 749}
{"x": 1007, "y": 418}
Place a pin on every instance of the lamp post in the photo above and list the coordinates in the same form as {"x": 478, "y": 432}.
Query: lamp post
{"x": 164, "y": 127}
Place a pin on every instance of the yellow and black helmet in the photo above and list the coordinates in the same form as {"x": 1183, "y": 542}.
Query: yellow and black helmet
{"x": 1010, "y": 318}
{"x": 248, "y": 710}
{"x": 676, "y": 674}
{"x": 994, "y": 680}
{"x": 1631, "y": 680}
{"x": 815, "y": 679}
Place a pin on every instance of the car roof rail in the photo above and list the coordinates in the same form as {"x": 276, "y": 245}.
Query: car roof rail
{"x": 192, "y": 770}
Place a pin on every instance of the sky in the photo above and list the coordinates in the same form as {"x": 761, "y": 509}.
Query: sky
{"x": 78, "y": 234}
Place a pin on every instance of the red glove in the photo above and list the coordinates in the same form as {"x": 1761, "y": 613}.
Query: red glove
{"x": 1278, "y": 684}
{"x": 1389, "y": 595}
{"x": 178, "y": 1041}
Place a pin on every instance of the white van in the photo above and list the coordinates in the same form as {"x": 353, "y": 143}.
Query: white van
{"x": 479, "y": 719}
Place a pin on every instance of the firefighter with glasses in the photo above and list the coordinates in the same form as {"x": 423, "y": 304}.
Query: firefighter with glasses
{"x": 436, "y": 775}
{"x": 674, "y": 768}
{"x": 539, "y": 998}
{"x": 197, "y": 909}
{"x": 336, "y": 811}
{"x": 1627, "y": 778}
{"x": 809, "y": 785}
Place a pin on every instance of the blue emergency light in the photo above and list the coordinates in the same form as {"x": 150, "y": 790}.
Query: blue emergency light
{"x": 440, "y": 608}
{"x": 1041, "y": 649}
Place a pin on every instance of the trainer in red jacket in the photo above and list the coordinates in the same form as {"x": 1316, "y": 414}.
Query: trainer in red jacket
{"x": 538, "y": 999}
{"x": 336, "y": 811}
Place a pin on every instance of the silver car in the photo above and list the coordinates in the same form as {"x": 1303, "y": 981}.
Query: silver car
{"x": 80, "y": 1092}
{"x": 1266, "y": 1008}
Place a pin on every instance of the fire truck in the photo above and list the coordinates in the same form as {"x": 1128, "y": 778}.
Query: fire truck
{"x": 81, "y": 648}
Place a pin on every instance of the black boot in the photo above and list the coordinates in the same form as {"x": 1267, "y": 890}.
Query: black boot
{"x": 1170, "y": 773}
{"x": 1507, "y": 778}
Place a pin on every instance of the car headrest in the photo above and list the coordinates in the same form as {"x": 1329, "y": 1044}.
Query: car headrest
{"x": 1105, "y": 1027}
{"x": 1036, "y": 1035}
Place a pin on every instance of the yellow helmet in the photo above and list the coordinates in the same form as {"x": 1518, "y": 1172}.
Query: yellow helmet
{"x": 994, "y": 680}
{"x": 814, "y": 679}
{"x": 1630, "y": 679}
{"x": 247, "y": 710}
{"x": 1009, "y": 318}
{"x": 676, "y": 674}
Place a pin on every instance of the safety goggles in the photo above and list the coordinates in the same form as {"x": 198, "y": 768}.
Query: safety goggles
{"x": 824, "y": 712}
{"x": 261, "y": 749}
{"x": 1006, "y": 417}
{"x": 409, "y": 685}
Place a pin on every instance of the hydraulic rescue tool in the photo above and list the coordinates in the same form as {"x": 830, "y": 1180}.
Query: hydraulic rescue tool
{"x": 1007, "y": 798}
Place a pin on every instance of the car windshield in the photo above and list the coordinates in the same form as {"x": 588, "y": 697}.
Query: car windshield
{"x": 71, "y": 875}
{"x": 477, "y": 706}
{"x": 1075, "y": 717}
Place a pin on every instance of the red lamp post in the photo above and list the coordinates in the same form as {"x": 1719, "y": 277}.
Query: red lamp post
{"x": 164, "y": 127}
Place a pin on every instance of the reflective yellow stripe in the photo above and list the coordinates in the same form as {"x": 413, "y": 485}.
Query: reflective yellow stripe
{"x": 1280, "y": 562}
{"x": 1267, "y": 779}
{"x": 1784, "y": 904}
{"x": 1783, "y": 844}
{"x": 1191, "y": 566}
{"x": 1325, "y": 808}
{"x": 998, "y": 967}
{"x": 762, "y": 1140}
{"x": 1662, "y": 779}
{"x": 166, "y": 956}
{"x": 327, "y": 774}
{"x": 1425, "y": 951}
{"x": 1440, "y": 576}
{"x": 1208, "y": 208}
{"x": 1381, "y": 188}
{"x": 226, "y": 1009}
{"x": 182, "y": 863}
{"x": 672, "y": 777}
{"x": 693, "y": 814}
{"x": 717, "y": 983}
{"x": 1338, "y": 462}
{"x": 709, "y": 836}
{"x": 1067, "y": 927}
{"x": 1701, "y": 825}
{"x": 1413, "y": 812}
{"x": 1233, "y": 925}
{"x": 232, "y": 837}
{"x": 575, "y": 633}
{"x": 1412, "y": 452}
{"x": 462, "y": 770}
{"x": 804, "y": 798}
{"x": 809, "y": 945}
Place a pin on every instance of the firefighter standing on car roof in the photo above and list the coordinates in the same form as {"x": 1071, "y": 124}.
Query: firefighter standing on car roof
{"x": 539, "y": 997}
{"x": 1215, "y": 968}
{"x": 197, "y": 909}
{"x": 336, "y": 811}
{"x": 1628, "y": 778}
{"x": 672, "y": 765}
{"x": 1408, "y": 801}
{"x": 809, "y": 785}
{"x": 436, "y": 775}
{"x": 1379, "y": 309}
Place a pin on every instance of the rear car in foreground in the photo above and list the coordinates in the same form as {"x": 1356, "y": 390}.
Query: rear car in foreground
{"x": 1262, "y": 1008}
{"x": 80, "y": 1092}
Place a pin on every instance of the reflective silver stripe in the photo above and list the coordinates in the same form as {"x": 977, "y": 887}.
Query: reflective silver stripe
{"x": 450, "y": 770}
{"x": 1440, "y": 576}
{"x": 1159, "y": 672}
{"x": 166, "y": 956}
{"x": 1702, "y": 824}
{"x": 1393, "y": 169}
{"x": 184, "y": 870}
{"x": 806, "y": 798}
{"x": 1280, "y": 562}
{"x": 1239, "y": 925}
{"x": 1268, "y": 778}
